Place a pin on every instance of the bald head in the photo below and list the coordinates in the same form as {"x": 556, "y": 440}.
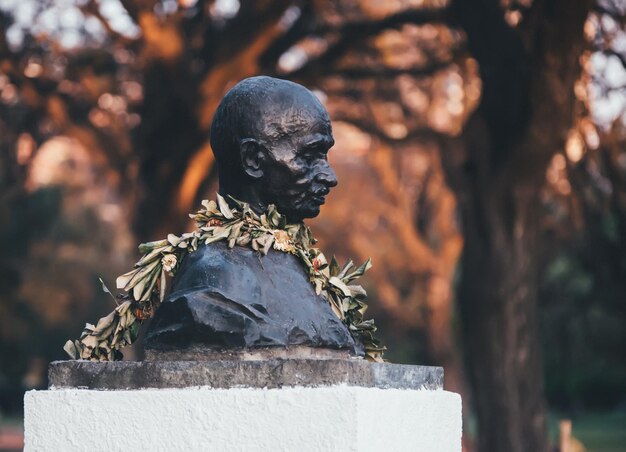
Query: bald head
{"x": 270, "y": 138}
{"x": 264, "y": 108}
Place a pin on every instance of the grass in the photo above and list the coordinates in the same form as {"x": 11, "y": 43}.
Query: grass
{"x": 598, "y": 432}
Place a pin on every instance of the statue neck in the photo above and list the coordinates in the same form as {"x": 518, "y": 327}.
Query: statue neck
{"x": 244, "y": 193}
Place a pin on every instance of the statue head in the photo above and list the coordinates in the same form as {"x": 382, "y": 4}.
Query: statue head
{"x": 271, "y": 138}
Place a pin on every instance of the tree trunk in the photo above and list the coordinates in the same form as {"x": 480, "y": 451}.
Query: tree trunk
{"x": 497, "y": 294}
{"x": 526, "y": 110}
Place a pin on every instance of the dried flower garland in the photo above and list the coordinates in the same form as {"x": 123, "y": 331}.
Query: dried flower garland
{"x": 145, "y": 285}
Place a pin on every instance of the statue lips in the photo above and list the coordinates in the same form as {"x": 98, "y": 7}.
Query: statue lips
{"x": 318, "y": 195}
{"x": 318, "y": 199}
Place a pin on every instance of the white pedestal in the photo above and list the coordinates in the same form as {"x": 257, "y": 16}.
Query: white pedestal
{"x": 332, "y": 418}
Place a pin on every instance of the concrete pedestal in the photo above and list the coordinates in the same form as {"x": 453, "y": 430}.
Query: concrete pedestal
{"x": 280, "y": 405}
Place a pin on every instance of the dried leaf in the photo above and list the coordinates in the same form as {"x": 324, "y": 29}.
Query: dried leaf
{"x": 218, "y": 234}
{"x": 127, "y": 337}
{"x": 338, "y": 312}
{"x": 267, "y": 245}
{"x": 123, "y": 280}
{"x": 210, "y": 206}
{"x": 70, "y": 349}
{"x": 318, "y": 286}
{"x": 173, "y": 239}
{"x": 339, "y": 284}
{"x": 149, "y": 246}
{"x": 162, "y": 285}
{"x": 357, "y": 291}
{"x": 123, "y": 308}
{"x": 334, "y": 267}
{"x": 140, "y": 277}
{"x": 234, "y": 234}
{"x": 104, "y": 323}
{"x": 345, "y": 269}
{"x": 360, "y": 270}
{"x": 105, "y": 289}
{"x": 90, "y": 341}
{"x": 219, "y": 222}
{"x": 138, "y": 288}
{"x": 224, "y": 207}
{"x": 153, "y": 255}
{"x": 244, "y": 239}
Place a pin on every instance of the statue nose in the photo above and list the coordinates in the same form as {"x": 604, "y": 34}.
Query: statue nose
{"x": 327, "y": 177}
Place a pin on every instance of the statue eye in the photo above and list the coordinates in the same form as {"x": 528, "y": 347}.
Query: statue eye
{"x": 310, "y": 155}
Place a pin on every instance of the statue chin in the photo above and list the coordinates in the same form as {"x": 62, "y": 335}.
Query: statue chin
{"x": 309, "y": 210}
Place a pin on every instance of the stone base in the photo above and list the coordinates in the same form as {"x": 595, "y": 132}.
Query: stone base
{"x": 275, "y": 373}
{"x": 337, "y": 418}
{"x": 276, "y": 405}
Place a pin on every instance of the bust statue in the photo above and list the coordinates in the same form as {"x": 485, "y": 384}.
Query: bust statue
{"x": 270, "y": 138}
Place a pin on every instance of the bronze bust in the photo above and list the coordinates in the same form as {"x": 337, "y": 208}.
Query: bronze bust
{"x": 270, "y": 138}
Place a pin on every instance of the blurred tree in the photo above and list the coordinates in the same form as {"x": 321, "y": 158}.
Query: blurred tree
{"x": 582, "y": 292}
{"x": 105, "y": 108}
{"x": 136, "y": 83}
{"x": 528, "y": 53}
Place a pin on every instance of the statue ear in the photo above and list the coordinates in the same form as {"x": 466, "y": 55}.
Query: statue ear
{"x": 252, "y": 157}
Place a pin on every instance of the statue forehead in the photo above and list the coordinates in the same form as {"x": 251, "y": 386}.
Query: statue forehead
{"x": 280, "y": 107}
{"x": 294, "y": 122}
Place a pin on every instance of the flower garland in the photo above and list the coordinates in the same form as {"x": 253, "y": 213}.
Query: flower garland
{"x": 145, "y": 285}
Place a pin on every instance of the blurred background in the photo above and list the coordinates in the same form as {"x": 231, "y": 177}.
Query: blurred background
{"x": 480, "y": 149}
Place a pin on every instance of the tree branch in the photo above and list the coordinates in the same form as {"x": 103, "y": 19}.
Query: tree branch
{"x": 367, "y": 27}
{"x": 377, "y": 71}
{"x": 355, "y": 32}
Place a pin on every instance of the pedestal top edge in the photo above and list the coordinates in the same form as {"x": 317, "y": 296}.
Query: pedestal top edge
{"x": 273, "y": 373}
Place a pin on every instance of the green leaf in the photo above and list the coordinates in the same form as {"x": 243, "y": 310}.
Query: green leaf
{"x": 134, "y": 331}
